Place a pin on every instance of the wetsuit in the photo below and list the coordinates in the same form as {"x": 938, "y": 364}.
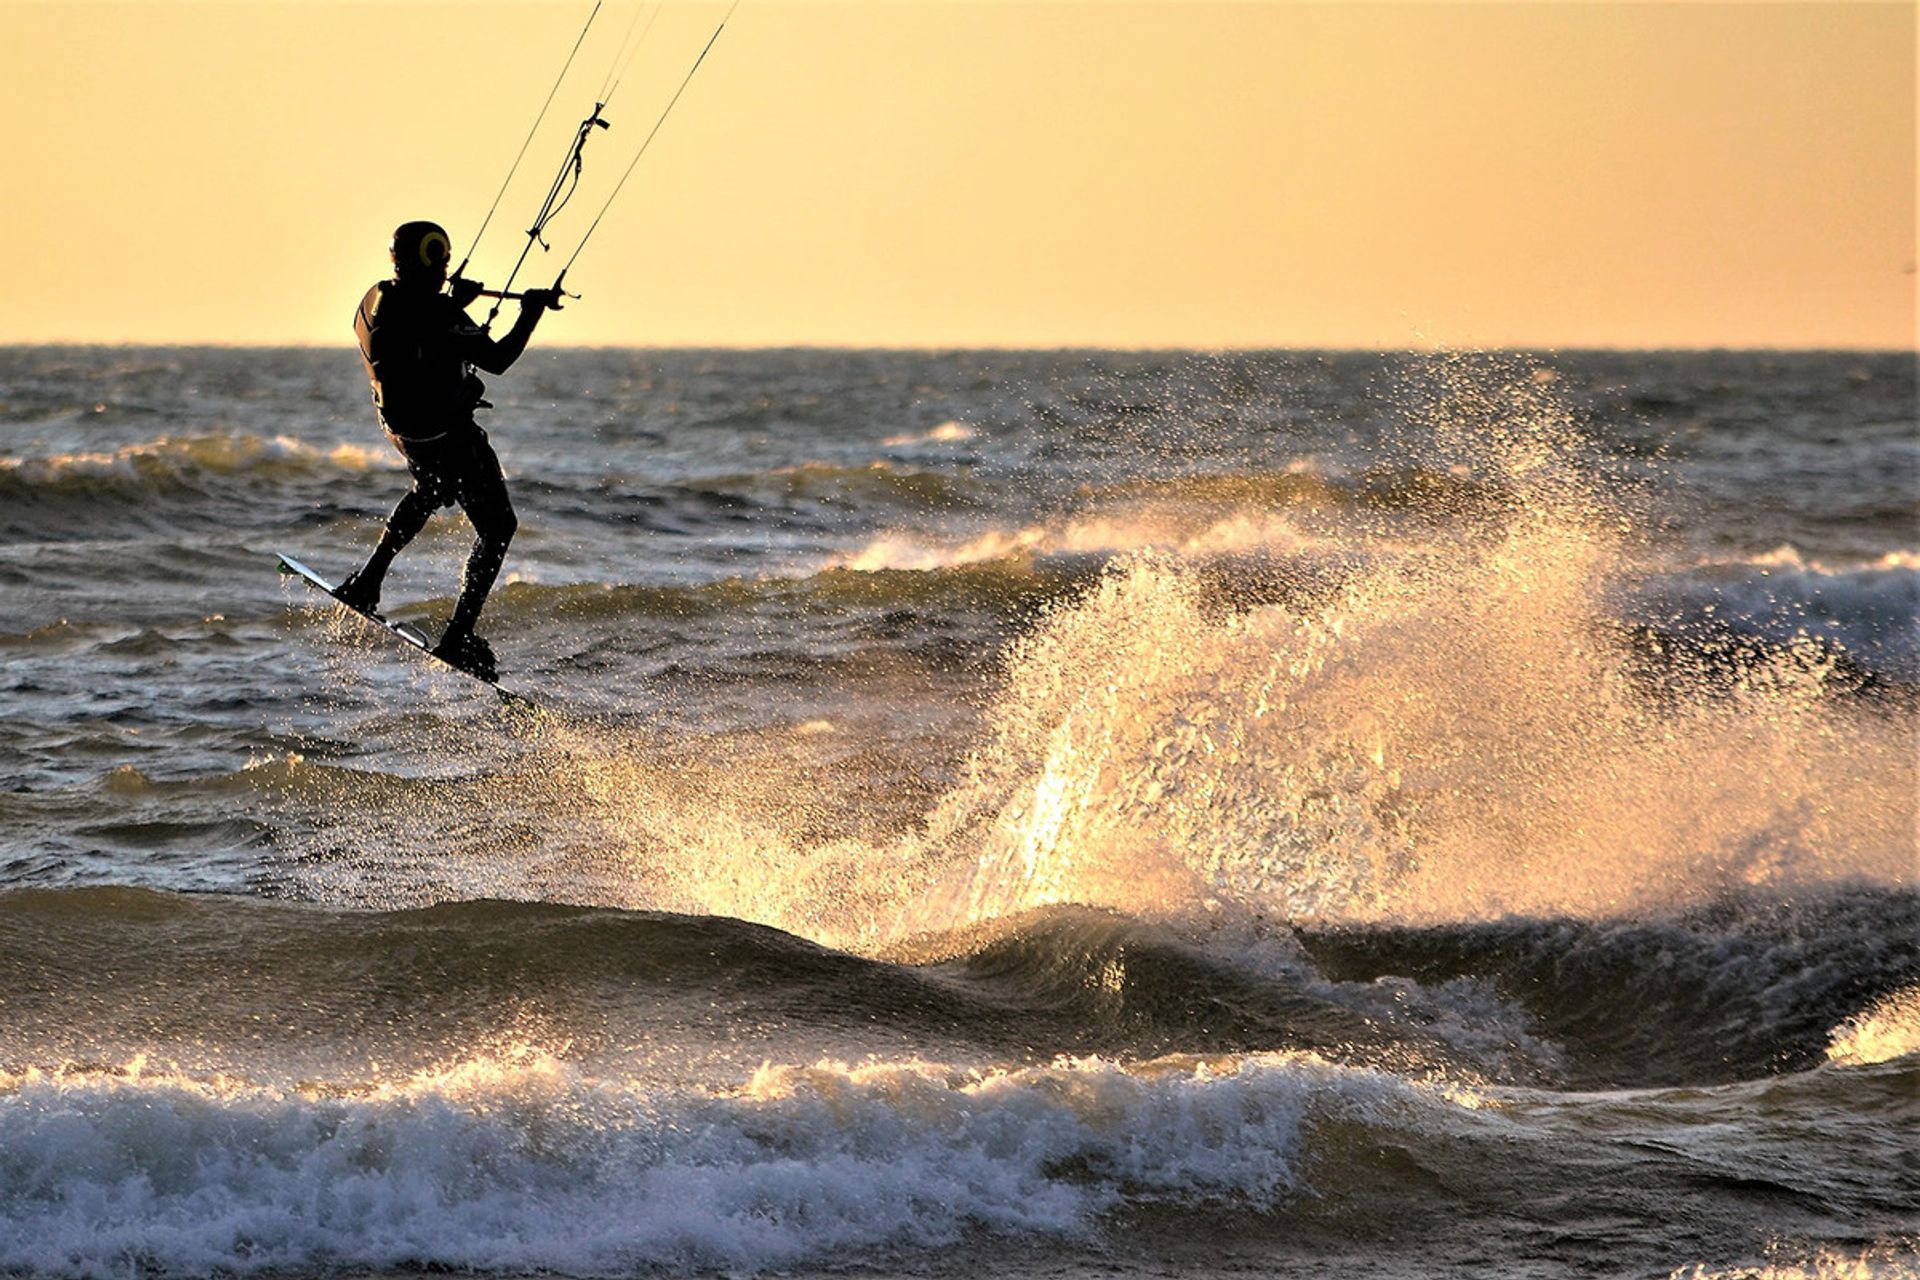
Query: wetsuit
{"x": 420, "y": 350}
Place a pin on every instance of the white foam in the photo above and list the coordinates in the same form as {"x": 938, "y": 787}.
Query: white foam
{"x": 946, "y": 433}
{"x": 1888, "y": 1029}
{"x": 1889, "y": 1260}
{"x": 1787, "y": 556}
{"x": 220, "y": 454}
{"x": 520, "y": 1162}
{"x": 1238, "y": 533}
{"x": 1869, "y": 607}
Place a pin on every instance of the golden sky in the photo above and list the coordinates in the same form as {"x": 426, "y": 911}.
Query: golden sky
{"x": 1003, "y": 174}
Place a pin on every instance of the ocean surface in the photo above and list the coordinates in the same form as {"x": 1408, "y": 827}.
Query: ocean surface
{"x": 1059, "y": 814}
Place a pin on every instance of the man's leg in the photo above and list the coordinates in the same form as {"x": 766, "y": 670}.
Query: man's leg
{"x": 482, "y": 494}
{"x": 361, "y": 590}
{"x": 493, "y": 526}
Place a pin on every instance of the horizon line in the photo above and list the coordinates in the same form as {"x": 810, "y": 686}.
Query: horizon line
{"x": 1139, "y": 348}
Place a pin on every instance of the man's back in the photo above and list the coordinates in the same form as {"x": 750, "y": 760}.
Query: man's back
{"x": 413, "y": 343}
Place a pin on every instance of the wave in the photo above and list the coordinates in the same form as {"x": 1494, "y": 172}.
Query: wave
{"x": 1749, "y": 986}
{"x": 1790, "y": 558}
{"x": 508, "y": 1157}
{"x": 1897, "y": 1259}
{"x": 1862, "y": 612}
{"x": 989, "y": 593}
{"x": 1242, "y": 533}
{"x": 1068, "y": 985}
{"x": 153, "y": 463}
{"x": 502, "y": 1086}
{"x": 948, "y": 432}
{"x": 275, "y": 774}
{"x": 989, "y": 588}
{"x": 1744, "y": 990}
{"x": 1883, "y": 1032}
{"x": 197, "y": 479}
{"x": 814, "y": 496}
{"x": 213, "y": 635}
{"x": 164, "y": 482}
{"x": 64, "y": 636}
{"x": 874, "y": 483}
{"x": 1199, "y": 517}
{"x": 1009, "y": 590}
{"x": 515, "y": 1160}
{"x": 1432, "y": 490}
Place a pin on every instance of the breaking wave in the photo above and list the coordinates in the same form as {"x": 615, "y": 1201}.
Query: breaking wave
{"x": 1184, "y": 534}
{"x": 879, "y": 483}
{"x": 171, "y": 459}
{"x": 173, "y": 482}
{"x": 1887, "y": 1030}
{"x": 1737, "y": 990}
{"x": 522, "y": 1086}
{"x": 517, "y": 1161}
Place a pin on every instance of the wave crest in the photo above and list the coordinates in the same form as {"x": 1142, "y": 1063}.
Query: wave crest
{"x": 1886, "y": 1030}
{"x": 177, "y": 457}
{"x": 514, "y": 1160}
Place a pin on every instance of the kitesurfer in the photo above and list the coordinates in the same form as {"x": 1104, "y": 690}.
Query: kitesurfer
{"x": 421, "y": 349}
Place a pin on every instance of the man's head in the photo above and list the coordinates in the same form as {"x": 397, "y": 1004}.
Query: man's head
{"x": 421, "y": 253}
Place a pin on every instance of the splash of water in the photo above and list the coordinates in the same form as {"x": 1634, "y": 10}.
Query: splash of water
{"x": 1460, "y": 732}
{"x": 1461, "y": 727}
{"x": 1888, "y": 1029}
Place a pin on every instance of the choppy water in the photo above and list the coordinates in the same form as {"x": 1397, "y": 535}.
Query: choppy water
{"x": 1056, "y": 813}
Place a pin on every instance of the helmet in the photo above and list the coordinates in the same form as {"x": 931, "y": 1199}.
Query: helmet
{"x": 420, "y": 248}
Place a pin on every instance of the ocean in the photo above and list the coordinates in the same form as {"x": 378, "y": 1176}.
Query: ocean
{"x": 1035, "y": 813}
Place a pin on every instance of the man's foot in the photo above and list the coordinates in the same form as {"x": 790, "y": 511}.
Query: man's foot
{"x": 467, "y": 651}
{"x": 358, "y": 592}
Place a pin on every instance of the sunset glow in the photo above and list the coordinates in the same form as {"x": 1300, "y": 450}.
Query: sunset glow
{"x": 985, "y": 174}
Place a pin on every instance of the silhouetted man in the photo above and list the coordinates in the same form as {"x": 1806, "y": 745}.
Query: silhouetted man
{"x": 421, "y": 349}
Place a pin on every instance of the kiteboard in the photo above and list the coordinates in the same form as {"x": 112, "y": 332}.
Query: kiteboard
{"x": 406, "y": 631}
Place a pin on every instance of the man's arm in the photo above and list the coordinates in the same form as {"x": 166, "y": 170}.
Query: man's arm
{"x": 497, "y": 356}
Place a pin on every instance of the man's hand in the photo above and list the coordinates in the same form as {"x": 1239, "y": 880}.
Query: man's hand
{"x": 464, "y": 291}
{"x": 540, "y": 300}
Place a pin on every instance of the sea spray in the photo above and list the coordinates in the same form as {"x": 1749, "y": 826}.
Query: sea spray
{"x": 1886, "y": 1030}
{"x": 1452, "y": 726}
{"x": 1457, "y": 733}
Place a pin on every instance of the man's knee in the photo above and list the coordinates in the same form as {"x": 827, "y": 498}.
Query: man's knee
{"x": 411, "y": 515}
{"x": 495, "y": 522}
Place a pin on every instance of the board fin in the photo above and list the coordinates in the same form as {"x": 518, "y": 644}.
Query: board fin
{"x": 405, "y": 631}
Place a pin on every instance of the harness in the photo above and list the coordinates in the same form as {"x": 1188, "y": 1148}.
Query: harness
{"x": 410, "y": 343}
